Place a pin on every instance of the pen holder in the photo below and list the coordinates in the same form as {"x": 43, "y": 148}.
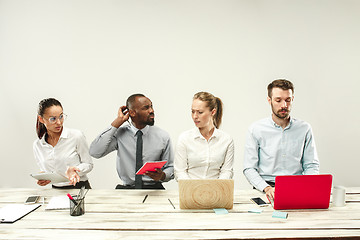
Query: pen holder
{"x": 77, "y": 206}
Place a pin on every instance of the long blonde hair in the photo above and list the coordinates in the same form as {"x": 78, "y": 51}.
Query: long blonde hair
{"x": 212, "y": 102}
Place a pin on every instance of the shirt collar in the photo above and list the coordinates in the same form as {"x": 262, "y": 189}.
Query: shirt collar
{"x": 277, "y": 126}
{"x": 144, "y": 130}
{"x": 198, "y": 134}
{"x": 64, "y": 134}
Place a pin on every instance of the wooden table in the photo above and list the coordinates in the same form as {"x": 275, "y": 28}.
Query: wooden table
{"x": 120, "y": 214}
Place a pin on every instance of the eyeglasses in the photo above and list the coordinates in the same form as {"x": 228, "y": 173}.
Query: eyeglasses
{"x": 62, "y": 117}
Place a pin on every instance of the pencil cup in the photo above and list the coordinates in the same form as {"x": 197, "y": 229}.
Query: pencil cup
{"x": 77, "y": 206}
{"x": 338, "y": 196}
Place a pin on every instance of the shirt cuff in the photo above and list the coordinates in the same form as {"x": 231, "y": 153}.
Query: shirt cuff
{"x": 262, "y": 186}
{"x": 168, "y": 177}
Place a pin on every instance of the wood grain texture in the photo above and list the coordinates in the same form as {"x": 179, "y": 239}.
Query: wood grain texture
{"x": 118, "y": 214}
{"x": 206, "y": 193}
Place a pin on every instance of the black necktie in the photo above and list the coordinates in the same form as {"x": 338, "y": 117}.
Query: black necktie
{"x": 139, "y": 148}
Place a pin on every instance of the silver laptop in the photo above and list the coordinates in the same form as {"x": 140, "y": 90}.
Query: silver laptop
{"x": 206, "y": 193}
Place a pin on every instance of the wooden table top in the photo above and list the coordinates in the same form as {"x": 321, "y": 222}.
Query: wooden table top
{"x": 114, "y": 214}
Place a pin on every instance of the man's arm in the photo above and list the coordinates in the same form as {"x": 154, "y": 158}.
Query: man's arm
{"x": 251, "y": 162}
{"x": 169, "y": 166}
{"x": 310, "y": 160}
{"x": 106, "y": 142}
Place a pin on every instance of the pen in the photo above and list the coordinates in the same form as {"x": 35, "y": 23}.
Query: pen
{"x": 171, "y": 203}
{"x": 145, "y": 198}
{"x": 71, "y": 198}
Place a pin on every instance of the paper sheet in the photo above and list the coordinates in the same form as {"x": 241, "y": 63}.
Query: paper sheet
{"x": 58, "y": 202}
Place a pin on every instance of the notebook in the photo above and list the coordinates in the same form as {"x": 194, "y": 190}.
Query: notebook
{"x": 302, "y": 192}
{"x": 13, "y": 212}
{"x": 206, "y": 193}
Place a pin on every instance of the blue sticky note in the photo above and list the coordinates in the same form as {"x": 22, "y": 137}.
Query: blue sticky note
{"x": 220, "y": 211}
{"x": 255, "y": 211}
{"x": 277, "y": 214}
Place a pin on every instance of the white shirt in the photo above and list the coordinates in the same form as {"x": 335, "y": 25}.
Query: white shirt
{"x": 197, "y": 158}
{"x": 70, "y": 151}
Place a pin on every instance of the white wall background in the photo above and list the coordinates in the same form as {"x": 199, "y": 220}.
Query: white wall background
{"x": 91, "y": 55}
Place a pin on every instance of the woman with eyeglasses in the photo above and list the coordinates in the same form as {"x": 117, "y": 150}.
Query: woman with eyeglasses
{"x": 59, "y": 149}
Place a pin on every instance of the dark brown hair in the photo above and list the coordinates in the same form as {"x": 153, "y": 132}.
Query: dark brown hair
{"x": 212, "y": 102}
{"x": 43, "y": 105}
{"x": 280, "y": 83}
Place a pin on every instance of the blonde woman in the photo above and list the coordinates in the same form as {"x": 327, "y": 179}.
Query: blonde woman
{"x": 205, "y": 152}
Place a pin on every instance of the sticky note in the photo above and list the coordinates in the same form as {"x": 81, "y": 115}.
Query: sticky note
{"x": 220, "y": 211}
{"x": 277, "y": 214}
{"x": 255, "y": 211}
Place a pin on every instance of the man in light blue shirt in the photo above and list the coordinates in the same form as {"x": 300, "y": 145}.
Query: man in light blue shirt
{"x": 156, "y": 145}
{"x": 280, "y": 144}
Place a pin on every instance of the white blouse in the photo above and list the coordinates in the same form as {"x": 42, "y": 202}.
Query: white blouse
{"x": 71, "y": 150}
{"x": 197, "y": 158}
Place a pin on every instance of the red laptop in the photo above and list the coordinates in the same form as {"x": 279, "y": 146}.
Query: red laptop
{"x": 302, "y": 191}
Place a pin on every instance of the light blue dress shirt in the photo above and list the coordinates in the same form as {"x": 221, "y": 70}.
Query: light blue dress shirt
{"x": 156, "y": 147}
{"x": 271, "y": 151}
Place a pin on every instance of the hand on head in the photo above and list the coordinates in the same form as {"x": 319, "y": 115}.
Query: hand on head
{"x": 122, "y": 116}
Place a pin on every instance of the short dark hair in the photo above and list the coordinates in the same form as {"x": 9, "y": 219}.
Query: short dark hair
{"x": 43, "y": 105}
{"x": 130, "y": 101}
{"x": 280, "y": 83}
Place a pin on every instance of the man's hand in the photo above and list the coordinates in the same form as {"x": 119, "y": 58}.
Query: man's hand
{"x": 270, "y": 192}
{"x": 123, "y": 115}
{"x": 72, "y": 175}
{"x": 156, "y": 176}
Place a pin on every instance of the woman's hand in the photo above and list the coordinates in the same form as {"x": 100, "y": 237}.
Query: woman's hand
{"x": 72, "y": 175}
{"x": 43, "y": 182}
